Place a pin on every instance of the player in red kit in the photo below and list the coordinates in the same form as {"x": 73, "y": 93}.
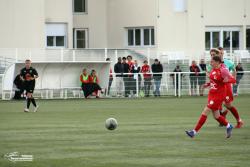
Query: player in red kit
{"x": 229, "y": 91}
{"x": 219, "y": 76}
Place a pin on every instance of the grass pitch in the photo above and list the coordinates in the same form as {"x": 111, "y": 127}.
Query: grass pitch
{"x": 71, "y": 133}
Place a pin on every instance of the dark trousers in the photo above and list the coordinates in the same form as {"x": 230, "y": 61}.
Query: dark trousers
{"x": 126, "y": 86}
{"x": 193, "y": 82}
{"x": 135, "y": 84}
{"x": 110, "y": 83}
{"x": 147, "y": 85}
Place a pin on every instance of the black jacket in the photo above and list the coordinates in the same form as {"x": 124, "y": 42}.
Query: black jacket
{"x": 125, "y": 67}
{"x": 18, "y": 82}
{"x": 121, "y": 68}
{"x": 157, "y": 68}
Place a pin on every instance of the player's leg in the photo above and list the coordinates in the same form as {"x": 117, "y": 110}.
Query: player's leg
{"x": 222, "y": 120}
{"x": 200, "y": 123}
{"x": 32, "y": 87}
{"x": 235, "y": 113}
{"x": 28, "y": 100}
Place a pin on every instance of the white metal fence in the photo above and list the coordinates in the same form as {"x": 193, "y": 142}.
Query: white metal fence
{"x": 136, "y": 86}
{"x": 41, "y": 54}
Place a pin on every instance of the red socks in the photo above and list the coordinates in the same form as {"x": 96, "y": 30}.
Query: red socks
{"x": 201, "y": 121}
{"x": 224, "y": 114}
{"x": 235, "y": 113}
{"x": 222, "y": 120}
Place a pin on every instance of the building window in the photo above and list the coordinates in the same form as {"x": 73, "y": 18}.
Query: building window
{"x": 248, "y": 38}
{"x": 80, "y": 38}
{"x": 140, "y": 36}
{"x": 130, "y": 37}
{"x": 56, "y": 35}
{"x": 55, "y": 41}
{"x": 226, "y": 37}
{"x": 80, "y": 6}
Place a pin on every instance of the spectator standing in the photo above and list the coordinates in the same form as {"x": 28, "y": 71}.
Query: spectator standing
{"x": 130, "y": 79}
{"x": 194, "y": 69}
{"x": 157, "y": 70}
{"x": 202, "y": 76}
{"x": 118, "y": 68}
{"x": 239, "y": 75}
{"x": 136, "y": 69}
{"x": 125, "y": 69}
{"x": 147, "y": 77}
{"x": 177, "y": 78}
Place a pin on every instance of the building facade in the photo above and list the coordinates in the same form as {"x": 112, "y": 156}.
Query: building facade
{"x": 191, "y": 26}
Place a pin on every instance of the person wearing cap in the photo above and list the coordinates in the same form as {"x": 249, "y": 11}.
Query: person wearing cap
{"x": 157, "y": 70}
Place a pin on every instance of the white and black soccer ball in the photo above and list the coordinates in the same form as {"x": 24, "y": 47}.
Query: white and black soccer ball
{"x": 111, "y": 123}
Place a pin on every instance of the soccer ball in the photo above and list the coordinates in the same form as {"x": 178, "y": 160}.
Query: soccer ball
{"x": 111, "y": 124}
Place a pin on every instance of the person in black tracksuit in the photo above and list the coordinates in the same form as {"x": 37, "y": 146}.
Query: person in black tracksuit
{"x": 20, "y": 87}
{"x": 157, "y": 68}
{"x": 125, "y": 69}
{"x": 118, "y": 69}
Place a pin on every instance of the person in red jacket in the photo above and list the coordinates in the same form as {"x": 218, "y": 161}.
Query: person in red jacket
{"x": 145, "y": 69}
{"x": 94, "y": 83}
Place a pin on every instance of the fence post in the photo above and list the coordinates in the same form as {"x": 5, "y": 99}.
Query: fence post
{"x": 61, "y": 55}
{"x": 16, "y": 55}
{"x": 116, "y": 55}
{"x": 179, "y": 84}
{"x": 106, "y": 54}
{"x": 30, "y": 55}
{"x": 137, "y": 84}
{"x": 175, "y": 86}
{"x": 148, "y": 55}
{"x": 74, "y": 55}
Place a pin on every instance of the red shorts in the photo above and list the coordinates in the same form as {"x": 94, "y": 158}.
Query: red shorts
{"x": 229, "y": 94}
{"x": 215, "y": 101}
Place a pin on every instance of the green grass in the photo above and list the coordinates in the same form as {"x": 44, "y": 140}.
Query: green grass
{"x": 71, "y": 133}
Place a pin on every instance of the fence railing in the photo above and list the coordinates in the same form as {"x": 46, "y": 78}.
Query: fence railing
{"x": 43, "y": 54}
{"x": 138, "y": 85}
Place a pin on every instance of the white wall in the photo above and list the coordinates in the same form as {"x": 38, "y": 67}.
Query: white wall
{"x": 95, "y": 20}
{"x": 60, "y": 11}
{"x": 22, "y": 23}
{"x": 128, "y": 13}
{"x": 186, "y": 30}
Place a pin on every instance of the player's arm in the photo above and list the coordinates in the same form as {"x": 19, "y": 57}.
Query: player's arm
{"x": 35, "y": 74}
{"x": 227, "y": 76}
{"x": 234, "y": 72}
{"x": 206, "y": 85}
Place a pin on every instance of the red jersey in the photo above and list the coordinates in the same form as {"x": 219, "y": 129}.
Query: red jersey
{"x": 216, "y": 81}
{"x": 130, "y": 64}
{"x": 229, "y": 92}
{"x": 217, "y": 85}
{"x": 110, "y": 73}
{"x": 145, "y": 69}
